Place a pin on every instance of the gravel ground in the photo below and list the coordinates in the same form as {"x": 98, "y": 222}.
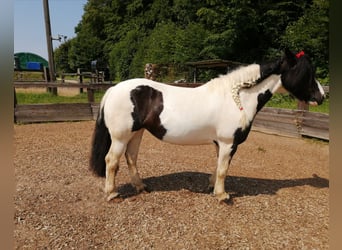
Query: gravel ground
{"x": 279, "y": 188}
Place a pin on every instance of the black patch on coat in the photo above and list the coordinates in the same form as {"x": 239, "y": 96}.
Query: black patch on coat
{"x": 239, "y": 137}
{"x": 148, "y": 104}
{"x": 268, "y": 69}
{"x": 217, "y": 147}
{"x": 263, "y": 98}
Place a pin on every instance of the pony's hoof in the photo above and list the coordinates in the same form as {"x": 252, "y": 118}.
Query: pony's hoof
{"x": 111, "y": 196}
{"x": 222, "y": 197}
{"x": 141, "y": 188}
{"x": 147, "y": 190}
{"x": 210, "y": 189}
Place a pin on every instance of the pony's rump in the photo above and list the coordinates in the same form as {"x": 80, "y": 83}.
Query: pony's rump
{"x": 100, "y": 145}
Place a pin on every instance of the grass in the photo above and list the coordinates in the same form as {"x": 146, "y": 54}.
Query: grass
{"x": 39, "y": 76}
{"x": 288, "y": 102}
{"x": 39, "y": 98}
{"x": 28, "y": 75}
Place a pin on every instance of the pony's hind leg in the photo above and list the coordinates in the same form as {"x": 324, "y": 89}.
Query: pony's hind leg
{"x": 112, "y": 166}
{"x": 212, "y": 178}
{"x": 131, "y": 155}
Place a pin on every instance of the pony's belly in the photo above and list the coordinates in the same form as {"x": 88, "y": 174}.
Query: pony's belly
{"x": 188, "y": 128}
{"x": 194, "y": 137}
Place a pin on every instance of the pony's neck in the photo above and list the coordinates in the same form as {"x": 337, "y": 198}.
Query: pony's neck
{"x": 272, "y": 83}
{"x": 253, "y": 99}
{"x": 264, "y": 79}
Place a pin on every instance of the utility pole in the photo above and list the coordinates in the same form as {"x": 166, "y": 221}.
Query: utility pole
{"x": 49, "y": 41}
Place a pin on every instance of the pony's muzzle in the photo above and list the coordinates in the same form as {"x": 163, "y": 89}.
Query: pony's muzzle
{"x": 316, "y": 100}
{"x": 312, "y": 103}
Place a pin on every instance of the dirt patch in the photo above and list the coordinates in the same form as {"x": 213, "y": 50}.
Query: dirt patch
{"x": 279, "y": 188}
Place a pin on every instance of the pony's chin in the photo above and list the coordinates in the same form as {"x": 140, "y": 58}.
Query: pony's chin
{"x": 313, "y": 103}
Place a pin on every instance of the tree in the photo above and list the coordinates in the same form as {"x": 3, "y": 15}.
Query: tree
{"x": 122, "y": 55}
{"x": 128, "y": 34}
{"x": 61, "y": 57}
{"x": 90, "y": 39}
{"x": 233, "y": 27}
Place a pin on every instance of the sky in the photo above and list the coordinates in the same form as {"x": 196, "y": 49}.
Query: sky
{"x": 29, "y": 23}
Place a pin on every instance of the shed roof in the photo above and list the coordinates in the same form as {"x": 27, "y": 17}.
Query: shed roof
{"x": 25, "y": 57}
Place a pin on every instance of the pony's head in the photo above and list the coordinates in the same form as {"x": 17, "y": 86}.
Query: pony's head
{"x": 298, "y": 77}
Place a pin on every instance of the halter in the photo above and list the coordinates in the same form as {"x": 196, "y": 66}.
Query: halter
{"x": 300, "y": 54}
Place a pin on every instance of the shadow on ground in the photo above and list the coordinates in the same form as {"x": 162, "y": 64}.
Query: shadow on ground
{"x": 237, "y": 186}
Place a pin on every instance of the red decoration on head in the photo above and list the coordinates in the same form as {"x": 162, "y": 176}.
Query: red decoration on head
{"x": 300, "y": 54}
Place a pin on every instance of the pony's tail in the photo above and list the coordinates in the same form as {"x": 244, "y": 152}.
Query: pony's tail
{"x": 100, "y": 145}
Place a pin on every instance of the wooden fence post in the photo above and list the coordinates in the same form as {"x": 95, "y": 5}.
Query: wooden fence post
{"x": 15, "y": 105}
{"x": 90, "y": 94}
{"x": 79, "y": 75}
{"x": 46, "y": 74}
{"x": 47, "y": 79}
{"x": 80, "y": 79}
{"x": 53, "y": 90}
{"x": 302, "y": 105}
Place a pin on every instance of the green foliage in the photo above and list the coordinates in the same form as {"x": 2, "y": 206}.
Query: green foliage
{"x": 122, "y": 54}
{"x": 282, "y": 101}
{"x": 286, "y": 101}
{"x": 129, "y": 34}
{"x": 37, "y": 98}
{"x": 61, "y": 57}
{"x": 236, "y": 36}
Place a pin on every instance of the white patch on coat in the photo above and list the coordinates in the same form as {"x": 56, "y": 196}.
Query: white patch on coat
{"x": 321, "y": 90}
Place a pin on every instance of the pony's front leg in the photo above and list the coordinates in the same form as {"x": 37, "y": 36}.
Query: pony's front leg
{"x": 112, "y": 166}
{"x": 224, "y": 158}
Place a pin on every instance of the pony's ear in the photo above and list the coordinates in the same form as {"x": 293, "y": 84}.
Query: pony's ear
{"x": 290, "y": 57}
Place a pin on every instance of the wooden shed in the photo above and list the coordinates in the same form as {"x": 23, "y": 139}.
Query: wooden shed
{"x": 212, "y": 64}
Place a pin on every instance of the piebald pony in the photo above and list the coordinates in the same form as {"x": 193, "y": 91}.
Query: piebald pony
{"x": 207, "y": 114}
